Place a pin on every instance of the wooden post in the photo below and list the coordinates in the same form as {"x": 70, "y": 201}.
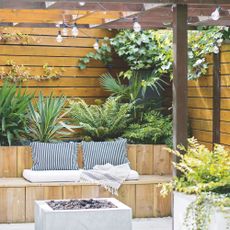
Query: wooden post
{"x": 180, "y": 69}
{"x": 180, "y": 57}
{"x": 216, "y": 99}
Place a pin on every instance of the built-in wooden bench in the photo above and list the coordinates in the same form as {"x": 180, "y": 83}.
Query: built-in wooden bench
{"x": 17, "y": 195}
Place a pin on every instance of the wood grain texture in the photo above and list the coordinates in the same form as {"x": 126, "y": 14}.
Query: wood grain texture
{"x": 146, "y": 159}
{"x": 40, "y": 193}
{"x": 42, "y": 48}
{"x": 12, "y": 205}
{"x": 162, "y": 161}
{"x": 144, "y": 200}
{"x": 72, "y": 192}
{"x": 24, "y": 159}
{"x": 145, "y": 155}
{"x": 8, "y": 161}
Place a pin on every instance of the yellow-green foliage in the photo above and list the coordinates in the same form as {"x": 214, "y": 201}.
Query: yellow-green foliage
{"x": 202, "y": 170}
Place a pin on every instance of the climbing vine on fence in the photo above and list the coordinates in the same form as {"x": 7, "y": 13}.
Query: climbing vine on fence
{"x": 151, "y": 49}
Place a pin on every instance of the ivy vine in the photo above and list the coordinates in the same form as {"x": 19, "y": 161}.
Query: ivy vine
{"x": 15, "y": 36}
{"x": 151, "y": 49}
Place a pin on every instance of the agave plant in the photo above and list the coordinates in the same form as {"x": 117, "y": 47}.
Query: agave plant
{"x": 46, "y": 119}
{"x": 101, "y": 122}
{"x": 13, "y": 109}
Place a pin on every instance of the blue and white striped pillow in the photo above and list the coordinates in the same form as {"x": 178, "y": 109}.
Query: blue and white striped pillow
{"x": 54, "y": 156}
{"x": 100, "y": 153}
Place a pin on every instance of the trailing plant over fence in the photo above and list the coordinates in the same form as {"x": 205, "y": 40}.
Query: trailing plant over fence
{"x": 150, "y": 49}
{"x": 15, "y": 36}
{"x": 20, "y": 73}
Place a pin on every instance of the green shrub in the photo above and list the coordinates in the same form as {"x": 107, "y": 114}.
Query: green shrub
{"x": 101, "y": 122}
{"x": 13, "y": 109}
{"x": 154, "y": 129}
{"x": 45, "y": 119}
{"x": 202, "y": 170}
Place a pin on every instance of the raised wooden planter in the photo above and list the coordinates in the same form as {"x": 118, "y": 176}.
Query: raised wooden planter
{"x": 17, "y": 195}
{"x": 146, "y": 159}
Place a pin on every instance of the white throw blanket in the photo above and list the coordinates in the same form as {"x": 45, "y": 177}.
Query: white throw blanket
{"x": 109, "y": 176}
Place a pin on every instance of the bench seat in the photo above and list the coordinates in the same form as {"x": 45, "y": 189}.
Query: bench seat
{"x": 17, "y": 196}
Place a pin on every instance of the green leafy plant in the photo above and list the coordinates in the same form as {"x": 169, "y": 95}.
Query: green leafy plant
{"x": 19, "y": 73}
{"x": 204, "y": 173}
{"x": 199, "y": 212}
{"x": 15, "y": 36}
{"x": 13, "y": 109}
{"x": 202, "y": 170}
{"x": 153, "y": 129}
{"x": 101, "y": 122}
{"x": 151, "y": 49}
{"x": 102, "y": 54}
{"x": 45, "y": 119}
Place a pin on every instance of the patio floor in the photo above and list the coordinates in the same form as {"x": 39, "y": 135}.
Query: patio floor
{"x": 138, "y": 224}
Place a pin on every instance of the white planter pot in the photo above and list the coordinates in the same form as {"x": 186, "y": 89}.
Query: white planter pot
{"x": 181, "y": 202}
{"x": 91, "y": 219}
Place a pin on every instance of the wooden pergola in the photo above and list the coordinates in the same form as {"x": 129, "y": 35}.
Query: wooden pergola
{"x": 180, "y": 15}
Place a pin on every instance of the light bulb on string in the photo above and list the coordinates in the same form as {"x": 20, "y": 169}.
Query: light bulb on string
{"x": 75, "y": 30}
{"x": 96, "y": 45}
{"x": 136, "y": 25}
{"x": 59, "y": 38}
{"x": 216, "y": 14}
{"x": 65, "y": 31}
{"x": 216, "y": 49}
{"x": 81, "y": 3}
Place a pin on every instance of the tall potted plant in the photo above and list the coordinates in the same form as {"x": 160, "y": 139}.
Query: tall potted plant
{"x": 202, "y": 193}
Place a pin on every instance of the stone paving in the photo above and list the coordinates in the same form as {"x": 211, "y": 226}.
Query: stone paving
{"x": 138, "y": 224}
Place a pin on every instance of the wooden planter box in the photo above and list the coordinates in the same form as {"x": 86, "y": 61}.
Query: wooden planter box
{"x": 146, "y": 159}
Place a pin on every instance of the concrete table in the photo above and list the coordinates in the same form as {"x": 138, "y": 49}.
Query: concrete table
{"x": 85, "y": 219}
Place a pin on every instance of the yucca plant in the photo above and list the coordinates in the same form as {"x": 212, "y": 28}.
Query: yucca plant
{"x": 46, "y": 119}
{"x": 101, "y": 122}
{"x": 13, "y": 109}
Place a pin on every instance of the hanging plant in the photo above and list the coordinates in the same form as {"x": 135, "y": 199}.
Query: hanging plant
{"x": 15, "y": 36}
{"x": 20, "y": 73}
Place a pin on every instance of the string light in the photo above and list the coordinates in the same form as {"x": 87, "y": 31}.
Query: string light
{"x": 96, "y": 45}
{"x": 216, "y": 49}
{"x": 65, "y": 31}
{"x": 216, "y": 14}
{"x": 59, "y": 37}
{"x": 75, "y": 30}
{"x": 136, "y": 25}
{"x": 81, "y": 3}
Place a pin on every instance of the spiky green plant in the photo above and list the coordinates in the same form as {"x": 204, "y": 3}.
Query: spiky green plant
{"x": 46, "y": 119}
{"x": 101, "y": 122}
{"x": 13, "y": 109}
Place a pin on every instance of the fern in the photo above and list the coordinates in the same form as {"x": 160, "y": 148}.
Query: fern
{"x": 154, "y": 129}
{"x": 101, "y": 122}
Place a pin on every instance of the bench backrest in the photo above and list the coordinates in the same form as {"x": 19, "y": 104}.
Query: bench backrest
{"x": 146, "y": 159}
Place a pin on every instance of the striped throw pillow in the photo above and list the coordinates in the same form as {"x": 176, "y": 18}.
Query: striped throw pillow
{"x": 100, "y": 153}
{"x": 54, "y": 156}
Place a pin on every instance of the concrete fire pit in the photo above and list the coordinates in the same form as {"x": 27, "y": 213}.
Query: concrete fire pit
{"x": 83, "y": 219}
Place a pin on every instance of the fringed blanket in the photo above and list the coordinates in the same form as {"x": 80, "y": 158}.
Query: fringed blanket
{"x": 109, "y": 176}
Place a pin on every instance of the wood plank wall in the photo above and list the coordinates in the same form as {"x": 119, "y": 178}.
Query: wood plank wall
{"x": 200, "y": 102}
{"x": 43, "y": 49}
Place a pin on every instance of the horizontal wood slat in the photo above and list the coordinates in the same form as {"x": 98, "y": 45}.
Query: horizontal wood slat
{"x": 17, "y": 196}
{"x": 146, "y": 159}
{"x": 42, "y": 49}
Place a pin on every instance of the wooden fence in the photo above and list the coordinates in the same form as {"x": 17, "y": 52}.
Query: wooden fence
{"x": 200, "y": 102}
{"x": 43, "y": 49}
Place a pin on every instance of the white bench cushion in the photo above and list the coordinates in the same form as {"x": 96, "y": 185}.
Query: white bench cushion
{"x": 61, "y": 175}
